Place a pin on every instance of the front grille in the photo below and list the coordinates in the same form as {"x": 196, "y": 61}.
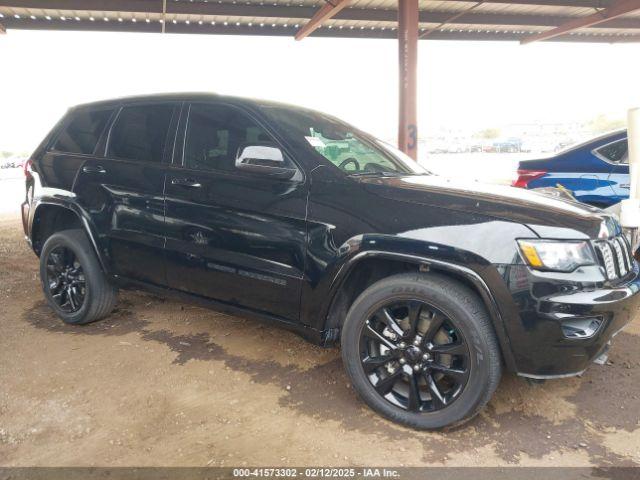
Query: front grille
{"x": 615, "y": 256}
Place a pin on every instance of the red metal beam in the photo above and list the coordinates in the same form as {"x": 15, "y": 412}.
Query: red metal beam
{"x": 93, "y": 5}
{"x": 156, "y": 5}
{"x": 553, "y": 3}
{"x": 288, "y": 11}
{"x": 453, "y": 18}
{"x": 408, "y": 54}
{"x": 617, "y": 9}
{"x": 328, "y": 10}
{"x": 221, "y": 29}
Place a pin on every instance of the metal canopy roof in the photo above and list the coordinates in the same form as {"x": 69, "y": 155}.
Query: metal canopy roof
{"x": 438, "y": 19}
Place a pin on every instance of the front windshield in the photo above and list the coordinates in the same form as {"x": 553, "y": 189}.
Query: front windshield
{"x": 350, "y": 150}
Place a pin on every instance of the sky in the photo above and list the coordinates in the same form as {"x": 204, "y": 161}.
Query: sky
{"x": 466, "y": 85}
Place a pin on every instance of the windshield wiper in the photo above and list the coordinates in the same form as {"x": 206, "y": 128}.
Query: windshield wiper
{"x": 379, "y": 174}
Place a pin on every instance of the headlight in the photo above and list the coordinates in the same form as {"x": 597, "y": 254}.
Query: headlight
{"x": 559, "y": 256}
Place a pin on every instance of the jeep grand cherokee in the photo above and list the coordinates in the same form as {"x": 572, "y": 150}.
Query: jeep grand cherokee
{"x": 432, "y": 287}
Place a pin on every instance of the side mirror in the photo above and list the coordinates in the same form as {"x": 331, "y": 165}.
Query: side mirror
{"x": 264, "y": 159}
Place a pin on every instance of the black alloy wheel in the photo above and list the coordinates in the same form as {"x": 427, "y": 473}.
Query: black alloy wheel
{"x": 420, "y": 349}
{"x": 72, "y": 278}
{"x": 65, "y": 279}
{"x": 414, "y": 356}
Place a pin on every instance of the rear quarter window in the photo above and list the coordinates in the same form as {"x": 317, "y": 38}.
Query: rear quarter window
{"x": 82, "y": 132}
{"x": 615, "y": 152}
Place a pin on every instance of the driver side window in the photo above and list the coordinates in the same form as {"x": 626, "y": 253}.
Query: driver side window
{"x": 216, "y": 133}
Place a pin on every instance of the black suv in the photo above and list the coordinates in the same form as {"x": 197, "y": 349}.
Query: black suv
{"x": 431, "y": 287}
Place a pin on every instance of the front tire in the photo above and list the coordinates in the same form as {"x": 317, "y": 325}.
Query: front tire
{"x": 72, "y": 280}
{"x": 421, "y": 351}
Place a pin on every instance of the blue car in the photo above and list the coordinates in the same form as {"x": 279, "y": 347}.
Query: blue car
{"x": 596, "y": 172}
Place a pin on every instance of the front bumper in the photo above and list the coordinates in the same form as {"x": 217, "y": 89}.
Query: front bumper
{"x": 539, "y": 340}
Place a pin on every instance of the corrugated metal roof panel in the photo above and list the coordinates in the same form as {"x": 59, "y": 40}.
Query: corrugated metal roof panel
{"x": 363, "y": 18}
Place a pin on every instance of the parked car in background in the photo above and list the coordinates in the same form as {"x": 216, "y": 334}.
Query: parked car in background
{"x": 438, "y": 146}
{"x": 509, "y": 145}
{"x": 11, "y": 162}
{"x": 563, "y": 144}
{"x": 596, "y": 171}
{"x": 536, "y": 145}
{"x": 488, "y": 146}
{"x": 431, "y": 286}
{"x": 457, "y": 146}
{"x": 476, "y": 147}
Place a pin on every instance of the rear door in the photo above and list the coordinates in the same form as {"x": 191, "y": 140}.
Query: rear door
{"x": 233, "y": 236}
{"x": 123, "y": 189}
{"x": 76, "y": 142}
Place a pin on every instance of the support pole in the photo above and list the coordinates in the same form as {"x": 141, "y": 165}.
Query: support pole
{"x": 164, "y": 16}
{"x": 630, "y": 208}
{"x": 408, "y": 53}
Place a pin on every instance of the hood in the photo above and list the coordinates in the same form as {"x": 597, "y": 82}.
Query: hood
{"x": 548, "y": 217}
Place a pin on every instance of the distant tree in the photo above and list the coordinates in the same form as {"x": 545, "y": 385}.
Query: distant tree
{"x": 8, "y": 154}
{"x": 602, "y": 124}
{"x": 488, "y": 133}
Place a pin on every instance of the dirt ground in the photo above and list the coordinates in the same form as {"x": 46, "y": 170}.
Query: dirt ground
{"x": 163, "y": 383}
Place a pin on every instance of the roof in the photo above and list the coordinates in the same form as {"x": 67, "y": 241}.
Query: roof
{"x": 439, "y": 19}
{"x": 191, "y": 97}
{"x": 159, "y": 97}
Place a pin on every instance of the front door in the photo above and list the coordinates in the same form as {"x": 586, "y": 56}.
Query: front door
{"x": 234, "y": 236}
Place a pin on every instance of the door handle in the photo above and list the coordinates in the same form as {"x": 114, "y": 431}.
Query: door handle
{"x": 93, "y": 169}
{"x": 185, "y": 182}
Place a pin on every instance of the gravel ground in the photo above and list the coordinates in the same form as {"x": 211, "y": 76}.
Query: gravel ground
{"x": 164, "y": 383}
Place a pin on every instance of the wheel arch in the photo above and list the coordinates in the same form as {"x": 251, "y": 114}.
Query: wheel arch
{"x": 50, "y": 217}
{"x": 357, "y": 275}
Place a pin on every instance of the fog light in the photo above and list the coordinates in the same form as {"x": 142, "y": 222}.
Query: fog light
{"x": 581, "y": 327}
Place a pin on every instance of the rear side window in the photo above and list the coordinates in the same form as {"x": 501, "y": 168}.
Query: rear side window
{"x": 81, "y": 133}
{"x": 140, "y": 132}
{"x": 616, "y": 152}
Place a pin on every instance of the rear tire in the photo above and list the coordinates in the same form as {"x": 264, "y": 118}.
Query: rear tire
{"x": 73, "y": 282}
{"x": 403, "y": 357}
